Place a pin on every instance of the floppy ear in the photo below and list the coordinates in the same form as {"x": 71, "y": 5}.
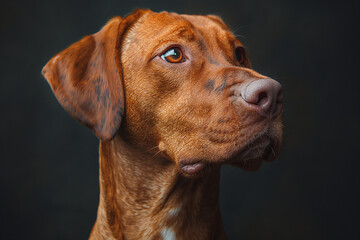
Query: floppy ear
{"x": 87, "y": 79}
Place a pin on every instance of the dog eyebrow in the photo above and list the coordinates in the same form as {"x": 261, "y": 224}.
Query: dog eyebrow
{"x": 174, "y": 34}
{"x": 186, "y": 34}
{"x": 189, "y": 35}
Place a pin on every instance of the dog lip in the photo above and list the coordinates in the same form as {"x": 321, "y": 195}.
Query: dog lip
{"x": 262, "y": 148}
{"x": 191, "y": 167}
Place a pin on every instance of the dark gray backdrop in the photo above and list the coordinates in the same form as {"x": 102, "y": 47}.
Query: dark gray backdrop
{"x": 49, "y": 162}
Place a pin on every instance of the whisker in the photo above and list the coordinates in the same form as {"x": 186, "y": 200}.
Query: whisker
{"x": 151, "y": 149}
{"x": 238, "y": 35}
{"x": 244, "y": 163}
{"x": 257, "y": 149}
{"x": 156, "y": 153}
{"x": 238, "y": 28}
{"x": 273, "y": 151}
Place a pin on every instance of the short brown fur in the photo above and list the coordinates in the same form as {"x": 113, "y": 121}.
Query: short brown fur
{"x": 167, "y": 113}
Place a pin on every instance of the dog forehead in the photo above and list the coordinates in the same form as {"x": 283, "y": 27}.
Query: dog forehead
{"x": 156, "y": 28}
{"x": 206, "y": 21}
{"x": 153, "y": 25}
{"x": 152, "y": 22}
{"x": 167, "y": 18}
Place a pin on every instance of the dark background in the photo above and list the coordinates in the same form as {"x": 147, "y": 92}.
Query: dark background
{"x": 49, "y": 162}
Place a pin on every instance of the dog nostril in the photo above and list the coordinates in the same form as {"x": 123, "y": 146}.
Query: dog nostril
{"x": 262, "y": 98}
{"x": 265, "y": 102}
{"x": 265, "y": 95}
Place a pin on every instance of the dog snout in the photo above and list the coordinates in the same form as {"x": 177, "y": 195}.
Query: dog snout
{"x": 265, "y": 96}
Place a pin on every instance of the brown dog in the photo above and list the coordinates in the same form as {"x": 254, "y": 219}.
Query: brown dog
{"x": 183, "y": 89}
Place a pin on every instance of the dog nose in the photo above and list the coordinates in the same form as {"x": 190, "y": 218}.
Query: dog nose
{"x": 266, "y": 96}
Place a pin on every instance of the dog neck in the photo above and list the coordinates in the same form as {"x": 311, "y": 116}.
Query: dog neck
{"x": 145, "y": 197}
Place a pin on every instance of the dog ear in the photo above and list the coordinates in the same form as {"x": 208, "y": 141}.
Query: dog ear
{"x": 87, "y": 78}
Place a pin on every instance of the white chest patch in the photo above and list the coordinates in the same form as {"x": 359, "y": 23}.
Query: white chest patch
{"x": 168, "y": 234}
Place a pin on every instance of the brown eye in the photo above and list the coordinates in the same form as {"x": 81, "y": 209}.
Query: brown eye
{"x": 240, "y": 54}
{"x": 173, "y": 55}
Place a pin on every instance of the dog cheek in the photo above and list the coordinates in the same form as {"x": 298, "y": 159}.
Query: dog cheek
{"x": 138, "y": 118}
{"x": 166, "y": 83}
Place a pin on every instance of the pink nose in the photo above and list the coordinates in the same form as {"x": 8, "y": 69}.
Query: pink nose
{"x": 266, "y": 96}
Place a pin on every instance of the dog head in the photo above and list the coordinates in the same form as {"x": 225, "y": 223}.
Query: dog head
{"x": 181, "y": 83}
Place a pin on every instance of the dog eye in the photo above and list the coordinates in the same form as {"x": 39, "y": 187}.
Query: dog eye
{"x": 240, "y": 54}
{"x": 173, "y": 55}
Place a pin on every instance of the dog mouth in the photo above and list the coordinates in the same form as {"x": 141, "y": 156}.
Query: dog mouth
{"x": 260, "y": 148}
{"x": 263, "y": 146}
{"x": 251, "y": 156}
